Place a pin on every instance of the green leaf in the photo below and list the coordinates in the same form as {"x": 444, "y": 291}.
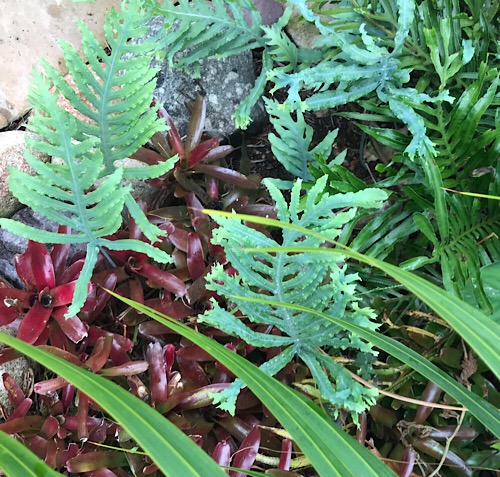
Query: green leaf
{"x": 330, "y": 450}
{"x": 168, "y": 447}
{"x": 18, "y": 461}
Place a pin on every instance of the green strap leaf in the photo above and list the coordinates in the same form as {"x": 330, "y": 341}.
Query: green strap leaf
{"x": 169, "y": 448}
{"x": 18, "y": 461}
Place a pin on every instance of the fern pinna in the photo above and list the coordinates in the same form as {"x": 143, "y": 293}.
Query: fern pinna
{"x": 117, "y": 91}
{"x": 322, "y": 282}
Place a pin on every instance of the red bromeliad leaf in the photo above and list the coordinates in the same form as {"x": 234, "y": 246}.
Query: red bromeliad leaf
{"x": 164, "y": 279}
{"x": 200, "y": 152}
{"x": 14, "y": 392}
{"x": 50, "y": 427}
{"x": 126, "y": 369}
{"x": 148, "y": 156}
{"x": 188, "y": 400}
{"x": 286, "y": 454}
{"x": 41, "y": 263}
{"x": 21, "y": 410}
{"x": 196, "y": 124}
{"x": 100, "y": 353}
{"x": 246, "y": 454}
{"x": 60, "y": 252}
{"x": 72, "y": 327}
{"x": 157, "y": 373}
{"x": 49, "y": 386}
{"x": 229, "y": 176}
{"x": 222, "y": 454}
{"x": 217, "y": 153}
{"x": 34, "y": 323}
{"x": 96, "y": 460}
{"x": 62, "y": 294}
{"x": 195, "y": 256}
{"x": 193, "y": 371}
{"x": 31, "y": 424}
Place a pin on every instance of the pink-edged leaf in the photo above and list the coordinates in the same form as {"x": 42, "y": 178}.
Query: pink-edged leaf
{"x": 49, "y": 386}
{"x": 196, "y": 124}
{"x": 157, "y": 373}
{"x": 147, "y": 156}
{"x": 126, "y": 369}
{"x": 50, "y": 427}
{"x": 22, "y": 409}
{"x": 100, "y": 353}
{"x": 14, "y": 392}
{"x": 195, "y": 353}
{"x": 63, "y": 294}
{"x": 176, "y": 235}
{"x": 96, "y": 460}
{"x": 193, "y": 371}
{"x": 217, "y": 153}
{"x": 195, "y": 256}
{"x": 123, "y": 342}
{"x": 286, "y": 454}
{"x": 41, "y": 261}
{"x": 34, "y": 323}
{"x": 200, "y": 151}
{"x": 60, "y": 252}
{"x": 229, "y": 176}
{"x": 222, "y": 454}
{"x": 82, "y": 414}
{"x": 23, "y": 424}
{"x": 246, "y": 454}
{"x": 212, "y": 187}
{"x": 198, "y": 398}
{"x": 71, "y": 273}
{"x": 164, "y": 279}
{"x": 72, "y": 327}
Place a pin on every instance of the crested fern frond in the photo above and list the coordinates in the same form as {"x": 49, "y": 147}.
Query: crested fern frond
{"x": 115, "y": 93}
{"x": 219, "y": 28}
{"x": 311, "y": 278}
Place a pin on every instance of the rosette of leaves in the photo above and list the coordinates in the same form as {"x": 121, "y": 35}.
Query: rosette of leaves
{"x": 115, "y": 92}
{"x": 323, "y": 282}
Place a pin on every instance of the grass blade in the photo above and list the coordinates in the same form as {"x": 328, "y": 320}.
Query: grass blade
{"x": 18, "y": 461}
{"x": 169, "y": 448}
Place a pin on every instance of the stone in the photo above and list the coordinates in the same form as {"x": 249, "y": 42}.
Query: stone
{"x": 28, "y": 31}
{"x": 19, "y": 369}
{"x": 12, "y": 148}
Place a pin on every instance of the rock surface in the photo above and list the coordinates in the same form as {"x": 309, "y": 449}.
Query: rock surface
{"x": 28, "y": 31}
{"x": 12, "y": 149}
{"x": 19, "y": 369}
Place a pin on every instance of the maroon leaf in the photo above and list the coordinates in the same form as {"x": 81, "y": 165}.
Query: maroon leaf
{"x": 34, "y": 323}
{"x": 195, "y": 257}
{"x": 222, "y": 454}
{"x": 193, "y": 371}
{"x": 50, "y": 427}
{"x": 164, "y": 279}
{"x": 14, "y": 392}
{"x": 200, "y": 151}
{"x": 43, "y": 269}
{"x": 72, "y": 327}
{"x": 157, "y": 373}
{"x": 217, "y": 153}
{"x": 286, "y": 454}
{"x": 246, "y": 454}
{"x": 147, "y": 156}
{"x": 431, "y": 394}
{"x": 30, "y": 424}
{"x": 96, "y": 460}
{"x": 49, "y": 385}
{"x": 21, "y": 410}
{"x": 125, "y": 369}
{"x": 82, "y": 414}
{"x": 60, "y": 252}
{"x": 228, "y": 176}
{"x": 100, "y": 353}
{"x": 196, "y": 124}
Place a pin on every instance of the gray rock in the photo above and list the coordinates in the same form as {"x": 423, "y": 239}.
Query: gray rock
{"x": 11, "y": 244}
{"x": 12, "y": 147}
{"x": 224, "y": 83}
{"x": 19, "y": 369}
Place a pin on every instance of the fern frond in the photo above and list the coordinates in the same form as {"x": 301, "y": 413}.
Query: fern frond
{"x": 115, "y": 92}
{"x": 295, "y": 278}
{"x": 202, "y": 29}
{"x": 292, "y": 144}
{"x": 64, "y": 191}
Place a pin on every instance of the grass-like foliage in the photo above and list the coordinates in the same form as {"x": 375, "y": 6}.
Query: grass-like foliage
{"x": 321, "y": 281}
{"x": 117, "y": 91}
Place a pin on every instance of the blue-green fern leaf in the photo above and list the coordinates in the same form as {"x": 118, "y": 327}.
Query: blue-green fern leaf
{"x": 117, "y": 90}
{"x": 325, "y": 283}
